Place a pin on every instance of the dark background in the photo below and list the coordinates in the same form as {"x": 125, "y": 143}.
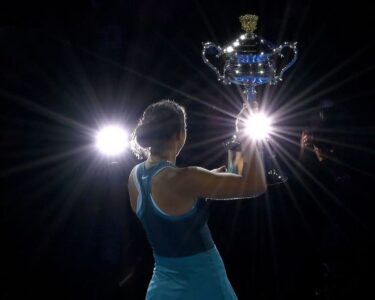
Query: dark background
{"x": 68, "y": 67}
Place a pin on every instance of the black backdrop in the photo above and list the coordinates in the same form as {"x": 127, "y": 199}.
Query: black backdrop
{"x": 68, "y": 67}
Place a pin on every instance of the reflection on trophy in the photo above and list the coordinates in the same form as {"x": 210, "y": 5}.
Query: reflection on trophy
{"x": 250, "y": 61}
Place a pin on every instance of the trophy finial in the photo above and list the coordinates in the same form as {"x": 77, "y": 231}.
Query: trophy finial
{"x": 249, "y": 23}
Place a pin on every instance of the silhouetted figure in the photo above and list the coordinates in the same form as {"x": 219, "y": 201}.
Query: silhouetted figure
{"x": 171, "y": 204}
{"x": 331, "y": 185}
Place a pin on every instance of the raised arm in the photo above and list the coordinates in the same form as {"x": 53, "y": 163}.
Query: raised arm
{"x": 200, "y": 182}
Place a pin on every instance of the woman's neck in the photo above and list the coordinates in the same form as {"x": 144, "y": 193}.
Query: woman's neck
{"x": 153, "y": 159}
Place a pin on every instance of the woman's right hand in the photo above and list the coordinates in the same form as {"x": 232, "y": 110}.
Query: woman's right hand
{"x": 242, "y": 117}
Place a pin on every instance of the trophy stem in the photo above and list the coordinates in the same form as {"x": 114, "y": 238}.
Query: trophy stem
{"x": 250, "y": 93}
{"x": 274, "y": 175}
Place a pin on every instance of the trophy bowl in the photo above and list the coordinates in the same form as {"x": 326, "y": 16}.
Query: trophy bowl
{"x": 249, "y": 60}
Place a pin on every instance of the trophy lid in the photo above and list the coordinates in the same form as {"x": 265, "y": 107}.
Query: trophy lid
{"x": 249, "y": 42}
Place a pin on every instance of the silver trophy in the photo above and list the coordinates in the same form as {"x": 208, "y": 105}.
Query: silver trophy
{"x": 250, "y": 61}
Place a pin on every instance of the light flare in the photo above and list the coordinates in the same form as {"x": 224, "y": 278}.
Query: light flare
{"x": 112, "y": 140}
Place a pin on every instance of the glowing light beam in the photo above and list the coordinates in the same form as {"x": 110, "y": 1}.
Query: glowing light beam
{"x": 258, "y": 126}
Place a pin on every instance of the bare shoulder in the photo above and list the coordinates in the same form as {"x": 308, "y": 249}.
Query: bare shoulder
{"x": 194, "y": 181}
{"x": 131, "y": 174}
{"x": 185, "y": 174}
{"x": 174, "y": 179}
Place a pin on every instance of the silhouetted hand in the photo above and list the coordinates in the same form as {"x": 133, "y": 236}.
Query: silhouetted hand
{"x": 244, "y": 115}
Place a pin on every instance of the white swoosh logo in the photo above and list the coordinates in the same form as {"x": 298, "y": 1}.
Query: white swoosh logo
{"x": 144, "y": 177}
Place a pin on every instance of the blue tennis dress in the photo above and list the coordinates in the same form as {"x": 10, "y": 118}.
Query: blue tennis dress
{"x": 187, "y": 264}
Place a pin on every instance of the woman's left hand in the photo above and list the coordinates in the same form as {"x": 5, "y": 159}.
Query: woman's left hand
{"x": 220, "y": 170}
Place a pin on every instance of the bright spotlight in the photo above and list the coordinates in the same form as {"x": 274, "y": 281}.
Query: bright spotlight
{"x": 112, "y": 140}
{"x": 258, "y": 126}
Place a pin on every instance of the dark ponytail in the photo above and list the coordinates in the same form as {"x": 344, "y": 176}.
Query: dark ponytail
{"x": 159, "y": 122}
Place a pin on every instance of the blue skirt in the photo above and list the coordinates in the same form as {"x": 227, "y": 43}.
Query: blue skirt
{"x": 200, "y": 276}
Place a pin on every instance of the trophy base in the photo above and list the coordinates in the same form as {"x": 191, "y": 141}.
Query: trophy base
{"x": 274, "y": 177}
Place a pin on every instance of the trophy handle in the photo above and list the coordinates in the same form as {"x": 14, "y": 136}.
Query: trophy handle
{"x": 293, "y": 47}
{"x": 206, "y": 61}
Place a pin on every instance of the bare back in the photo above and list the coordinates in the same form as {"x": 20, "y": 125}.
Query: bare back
{"x": 166, "y": 197}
